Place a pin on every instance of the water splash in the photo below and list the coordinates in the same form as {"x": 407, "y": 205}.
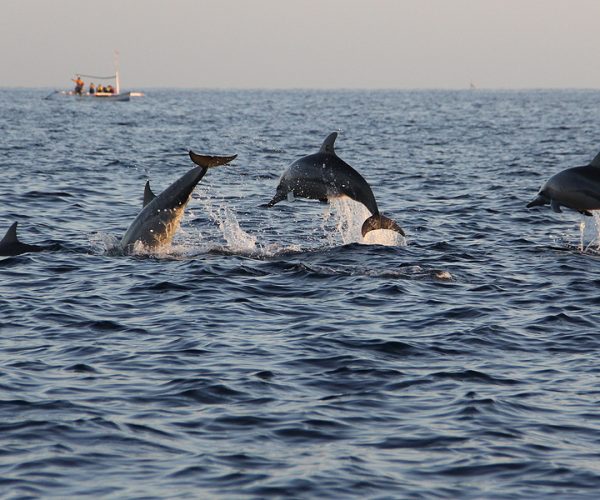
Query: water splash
{"x": 349, "y": 216}
{"x": 103, "y": 243}
{"x": 341, "y": 224}
{"x": 236, "y": 238}
{"x": 589, "y": 234}
{"x": 238, "y": 241}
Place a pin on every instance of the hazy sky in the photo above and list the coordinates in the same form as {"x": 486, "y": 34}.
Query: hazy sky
{"x": 303, "y": 43}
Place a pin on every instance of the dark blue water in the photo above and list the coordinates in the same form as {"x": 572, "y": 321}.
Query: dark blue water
{"x": 271, "y": 353}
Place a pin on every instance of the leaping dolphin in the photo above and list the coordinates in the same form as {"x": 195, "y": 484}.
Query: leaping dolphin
{"x": 324, "y": 176}
{"x": 11, "y": 246}
{"x": 159, "y": 219}
{"x": 577, "y": 188}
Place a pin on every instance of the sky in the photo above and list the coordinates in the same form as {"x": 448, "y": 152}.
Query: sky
{"x": 335, "y": 44}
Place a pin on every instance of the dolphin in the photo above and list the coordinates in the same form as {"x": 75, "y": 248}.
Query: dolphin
{"x": 577, "y": 188}
{"x": 11, "y": 246}
{"x": 159, "y": 219}
{"x": 324, "y": 176}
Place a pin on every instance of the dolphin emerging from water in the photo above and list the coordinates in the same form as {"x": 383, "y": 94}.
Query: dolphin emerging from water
{"x": 159, "y": 219}
{"x": 324, "y": 176}
{"x": 577, "y": 188}
{"x": 10, "y": 244}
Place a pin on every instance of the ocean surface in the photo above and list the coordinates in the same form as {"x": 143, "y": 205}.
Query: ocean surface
{"x": 273, "y": 352}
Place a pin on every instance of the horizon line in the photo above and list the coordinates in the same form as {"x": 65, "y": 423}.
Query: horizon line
{"x": 334, "y": 89}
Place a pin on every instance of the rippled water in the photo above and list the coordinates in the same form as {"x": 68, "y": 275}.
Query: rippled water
{"x": 274, "y": 353}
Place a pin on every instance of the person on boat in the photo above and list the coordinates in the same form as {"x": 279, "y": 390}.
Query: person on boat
{"x": 92, "y": 89}
{"x": 110, "y": 89}
{"x": 78, "y": 85}
{"x": 99, "y": 89}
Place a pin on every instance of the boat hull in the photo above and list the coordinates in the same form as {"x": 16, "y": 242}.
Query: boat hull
{"x": 125, "y": 96}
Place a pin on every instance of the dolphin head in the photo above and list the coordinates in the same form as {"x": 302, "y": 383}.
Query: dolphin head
{"x": 540, "y": 199}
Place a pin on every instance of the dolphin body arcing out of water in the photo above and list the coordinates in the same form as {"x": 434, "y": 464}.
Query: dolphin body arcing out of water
{"x": 11, "y": 246}
{"x": 324, "y": 176}
{"x": 577, "y": 188}
{"x": 159, "y": 219}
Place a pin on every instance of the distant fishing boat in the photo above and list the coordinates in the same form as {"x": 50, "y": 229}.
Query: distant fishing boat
{"x": 107, "y": 92}
{"x": 104, "y": 96}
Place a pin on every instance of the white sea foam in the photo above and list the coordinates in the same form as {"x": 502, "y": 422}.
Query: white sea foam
{"x": 349, "y": 217}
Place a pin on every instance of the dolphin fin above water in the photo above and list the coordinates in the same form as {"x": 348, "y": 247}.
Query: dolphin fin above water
{"x": 148, "y": 194}
{"x": 596, "y": 161}
{"x": 11, "y": 246}
{"x": 328, "y": 144}
{"x": 10, "y": 238}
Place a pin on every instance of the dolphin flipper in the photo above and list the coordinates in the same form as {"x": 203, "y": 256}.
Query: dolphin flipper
{"x": 555, "y": 205}
{"x": 210, "y": 161}
{"x": 148, "y": 194}
{"x": 379, "y": 221}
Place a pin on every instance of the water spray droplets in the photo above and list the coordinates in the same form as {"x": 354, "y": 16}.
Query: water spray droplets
{"x": 350, "y": 216}
{"x": 594, "y": 245}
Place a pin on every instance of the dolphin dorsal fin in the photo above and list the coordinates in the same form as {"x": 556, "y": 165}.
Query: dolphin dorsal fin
{"x": 148, "y": 194}
{"x": 11, "y": 235}
{"x": 596, "y": 161}
{"x": 327, "y": 146}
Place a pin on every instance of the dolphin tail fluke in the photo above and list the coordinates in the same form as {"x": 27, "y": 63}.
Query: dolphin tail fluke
{"x": 210, "y": 161}
{"x": 379, "y": 221}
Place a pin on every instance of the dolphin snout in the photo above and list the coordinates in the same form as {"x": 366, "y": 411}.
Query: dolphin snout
{"x": 540, "y": 199}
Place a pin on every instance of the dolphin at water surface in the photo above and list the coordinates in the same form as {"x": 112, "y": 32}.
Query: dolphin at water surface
{"x": 577, "y": 188}
{"x": 324, "y": 176}
{"x": 11, "y": 246}
{"x": 156, "y": 224}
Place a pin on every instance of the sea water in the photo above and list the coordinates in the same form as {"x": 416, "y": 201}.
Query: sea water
{"x": 276, "y": 352}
